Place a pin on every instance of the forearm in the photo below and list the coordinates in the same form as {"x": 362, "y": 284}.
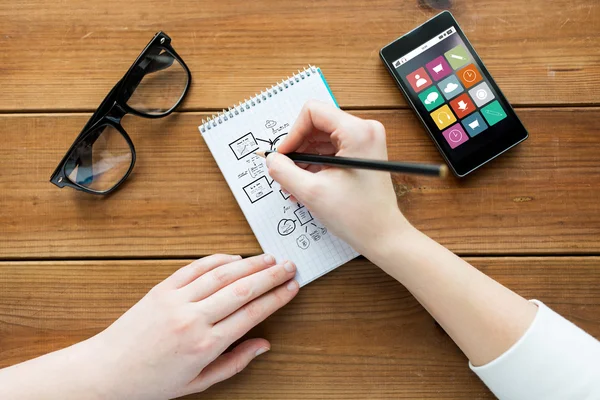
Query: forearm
{"x": 70, "y": 373}
{"x": 483, "y": 317}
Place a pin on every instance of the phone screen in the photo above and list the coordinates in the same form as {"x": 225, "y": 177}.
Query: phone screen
{"x": 449, "y": 87}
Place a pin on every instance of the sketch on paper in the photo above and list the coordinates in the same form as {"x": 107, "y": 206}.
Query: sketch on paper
{"x": 244, "y": 146}
{"x": 257, "y": 189}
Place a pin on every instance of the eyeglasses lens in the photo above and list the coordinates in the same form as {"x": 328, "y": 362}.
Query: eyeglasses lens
{"x": 101, "y": 161}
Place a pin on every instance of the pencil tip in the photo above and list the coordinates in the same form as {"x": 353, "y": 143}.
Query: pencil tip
{"x": 260, "y": 153}
{"x": 443, "y": 171}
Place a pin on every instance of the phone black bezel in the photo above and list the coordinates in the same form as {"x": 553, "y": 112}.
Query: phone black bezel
{"x": 513, "y": 135}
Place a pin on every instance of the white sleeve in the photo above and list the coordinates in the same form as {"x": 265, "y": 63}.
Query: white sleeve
{"x": 553, "y": 360}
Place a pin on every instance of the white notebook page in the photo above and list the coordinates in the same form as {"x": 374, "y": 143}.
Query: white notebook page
{"x": 283, "y": 228}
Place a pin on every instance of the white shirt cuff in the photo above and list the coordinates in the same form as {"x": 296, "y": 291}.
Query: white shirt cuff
{"x": 554, "y": 359}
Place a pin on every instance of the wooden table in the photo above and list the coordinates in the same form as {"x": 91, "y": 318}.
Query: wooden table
{"x": 72, "y": 262}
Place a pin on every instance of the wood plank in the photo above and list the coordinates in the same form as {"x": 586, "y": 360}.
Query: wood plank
{"x": 541, "y": 197}
{"x": 69, "y": 57}
{"x": 353, "y": 334}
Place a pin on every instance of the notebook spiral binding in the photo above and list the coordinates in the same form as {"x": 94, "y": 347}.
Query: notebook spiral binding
{"x": 268, "y": 93}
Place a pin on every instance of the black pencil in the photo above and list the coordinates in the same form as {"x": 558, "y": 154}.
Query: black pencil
{"x": 346, "y": 162}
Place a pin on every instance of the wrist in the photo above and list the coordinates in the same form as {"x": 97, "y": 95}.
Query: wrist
{"x": 393, "y": 251}
{"x": 94, "y": 368}
{"x": 395, "y": 231}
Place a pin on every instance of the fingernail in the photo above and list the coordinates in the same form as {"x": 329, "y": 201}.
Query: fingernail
{"x": 269, "y": 259}
{"x": 260, "y": 351}
{"x": 289, "y": 266}
{"x": 293, "y": 285}
{"x": 269, "y": 159}
{"x": 236, "y": 258}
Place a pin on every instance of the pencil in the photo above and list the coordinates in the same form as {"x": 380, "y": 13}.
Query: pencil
{"x": 360, "y": 163}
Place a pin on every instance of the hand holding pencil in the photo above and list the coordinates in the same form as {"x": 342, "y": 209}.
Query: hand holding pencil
{"x": 321, "y": 146}
{"x": 355, "y": 204}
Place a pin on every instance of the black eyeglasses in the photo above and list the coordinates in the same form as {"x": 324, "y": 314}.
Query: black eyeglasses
{"x": 102, "y": 156}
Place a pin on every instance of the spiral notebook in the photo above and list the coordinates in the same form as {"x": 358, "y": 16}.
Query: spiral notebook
{"x": 283, "y": 228}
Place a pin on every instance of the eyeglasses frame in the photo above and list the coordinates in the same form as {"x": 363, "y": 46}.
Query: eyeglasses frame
{"x": 114, "y": 107}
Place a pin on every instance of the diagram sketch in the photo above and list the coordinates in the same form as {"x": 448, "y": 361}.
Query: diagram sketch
{"x": 303, "y": 242}
{"x": 285, "y": 196}
{"x": 286, "y": 227}
{"x": 257, "y": 189}
{"x": 256, "y": 167}
{"x": 244, "y": 146}
{"x": 316, "y": 235}
{"x": 252, "y": 167}
{"x": 303, "y": 215}
{"x": 272, "y": 142}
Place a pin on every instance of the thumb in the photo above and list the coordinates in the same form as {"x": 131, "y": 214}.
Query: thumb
{"x": 293, "y": 178}
{"x": 228, "y": 364}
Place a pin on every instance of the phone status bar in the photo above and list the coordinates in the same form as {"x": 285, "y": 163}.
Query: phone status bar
{"x": 429, "y": 44}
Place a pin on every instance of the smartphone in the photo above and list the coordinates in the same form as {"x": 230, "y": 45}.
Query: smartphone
{"x": 453, "y": 94}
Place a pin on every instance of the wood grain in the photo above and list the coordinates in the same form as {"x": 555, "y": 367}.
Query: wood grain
{"x": 68, "y": 57}
{"x": 353, "y": 334}
{"x": 540, "y": 198}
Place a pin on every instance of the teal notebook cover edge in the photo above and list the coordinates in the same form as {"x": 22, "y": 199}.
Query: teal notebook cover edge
{"x": 328, "y": 88}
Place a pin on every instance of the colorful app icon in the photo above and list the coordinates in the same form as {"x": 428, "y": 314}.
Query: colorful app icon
{"x": 418, "y": 79}
{"x": 481, "y": 94}
{"x": 469, "y": 75}
{"x": 438, "y": 68}
{"x": 493, "y": 113}
{"x": 455, "y": 136}
{"x": 431, "y": 98}
{"x": 443, "y": 117}
{"x": 462, "y": 105}
{"x": 458, "y": 56}
{"x": 474, "y": 124}
{"x": 450, "y": 87}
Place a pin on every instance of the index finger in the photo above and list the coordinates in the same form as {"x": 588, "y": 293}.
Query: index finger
{"x": 315, "y": 115}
